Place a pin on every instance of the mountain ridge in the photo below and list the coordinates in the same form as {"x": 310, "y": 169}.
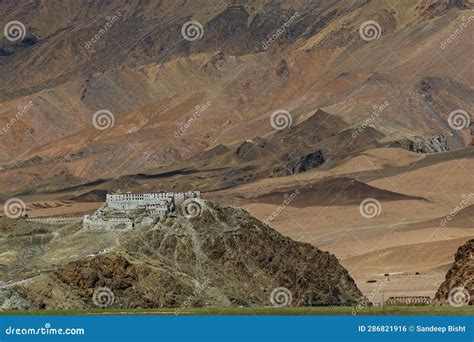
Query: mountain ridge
{"x": 240, "y": 260}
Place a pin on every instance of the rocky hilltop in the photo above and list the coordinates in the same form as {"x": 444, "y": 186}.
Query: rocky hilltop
{"x": 459, "y": 283}
{"x": 223, "y": 257}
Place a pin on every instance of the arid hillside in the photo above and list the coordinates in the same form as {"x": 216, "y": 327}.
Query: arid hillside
{"x": 224, "y": 257}
{"x": 344, "y": 125}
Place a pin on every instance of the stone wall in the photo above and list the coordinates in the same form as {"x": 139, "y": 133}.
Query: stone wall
{"x": 55, "y": 219}
{"x": 91, "y": 221}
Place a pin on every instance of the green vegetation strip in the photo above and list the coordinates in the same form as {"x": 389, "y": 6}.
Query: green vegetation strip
{"x": 292, "y": 311}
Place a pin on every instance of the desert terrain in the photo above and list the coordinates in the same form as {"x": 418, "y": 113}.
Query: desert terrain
{"x": 286, "y": 109}
{"x": 406, "y": 249}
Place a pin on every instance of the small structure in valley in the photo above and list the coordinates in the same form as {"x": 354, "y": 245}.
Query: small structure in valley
{"x": 126, "y": 210}
{"x": 408, "y": 300}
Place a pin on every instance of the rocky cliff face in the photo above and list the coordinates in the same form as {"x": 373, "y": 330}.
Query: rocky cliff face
{"x": 224, "y": 257}
{"x": 458, "y": 288}
{"x": 303, "y": 164}
{"x": 437, "y": 143}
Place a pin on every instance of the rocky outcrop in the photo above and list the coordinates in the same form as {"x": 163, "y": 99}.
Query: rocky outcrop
{"x": 282, "y": 69}
{"x": 12, "y": 297}
{"x": 303, "y": 164}
{"x": 418, "y": 144}
{"x": 458, "y": 288}
{"x": 310, "y": 161}
{"x": 215, "y": 64}
{"x": 224, "y": 257}
{"x": 251, "y": 149}
{"x": 29, "y": 162}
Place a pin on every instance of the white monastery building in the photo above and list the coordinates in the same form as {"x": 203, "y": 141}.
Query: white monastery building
{"x": 160, "y": 204}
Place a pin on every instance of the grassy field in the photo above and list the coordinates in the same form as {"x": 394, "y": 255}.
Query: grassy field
{"x": 291, "y": 311}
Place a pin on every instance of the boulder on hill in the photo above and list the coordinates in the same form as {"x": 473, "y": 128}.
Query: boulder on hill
{"x": 458, "y": 288}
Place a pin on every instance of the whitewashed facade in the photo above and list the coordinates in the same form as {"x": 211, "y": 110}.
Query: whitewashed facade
{"x": 161, "y": 201}
{"x": 159, "y": 204}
